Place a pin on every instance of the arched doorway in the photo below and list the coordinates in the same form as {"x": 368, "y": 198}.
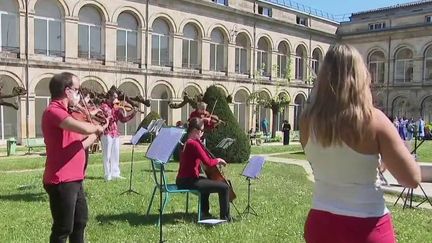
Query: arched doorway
{"x": 191, "y": 91}
{"x": 400, "y": 107}
{"x": 93, "y": 85}
{"x": 426, "y": 109}
{"x": 42, "y": 100}
{"x": 160, "y": 97}
{"x": 262, "y": 112}
{"x": 8, "y": 115}
{"x": 283, "y": 113}
{"x": 241, "y": 112}
{"x": 129, "y": 128}
{"x": 299, "y": 103}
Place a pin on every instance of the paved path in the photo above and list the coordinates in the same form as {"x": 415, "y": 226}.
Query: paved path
{"x": 393, "y": 188}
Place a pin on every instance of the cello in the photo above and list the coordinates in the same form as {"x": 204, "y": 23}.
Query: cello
{"x": 214, "y": 173}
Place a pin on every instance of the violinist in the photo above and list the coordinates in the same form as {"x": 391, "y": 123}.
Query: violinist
{"x": 210, "y": 121}
{"x": 66, "y": 140}
{"x": 191, "y": 157}
{"x": 110, "y": 139}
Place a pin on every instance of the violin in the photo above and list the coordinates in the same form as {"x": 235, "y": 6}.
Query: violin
{"x": 214, "y": 173}
{"x": 78, "y": 113}
{"x": 214, "y": 120}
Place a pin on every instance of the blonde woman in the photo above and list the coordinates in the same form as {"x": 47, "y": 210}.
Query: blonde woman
{"x": 343, "y": 136}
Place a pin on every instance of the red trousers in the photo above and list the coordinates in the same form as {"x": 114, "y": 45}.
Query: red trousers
{"x": 323, "y": 227}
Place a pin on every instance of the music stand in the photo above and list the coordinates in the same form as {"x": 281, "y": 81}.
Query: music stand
{"x": 225, "y": 143}
{"x": 160, "y": 151}
{"x": 410, "y": 191}
{"x": 135, "y": 140}
{"x": 252, "y": 171}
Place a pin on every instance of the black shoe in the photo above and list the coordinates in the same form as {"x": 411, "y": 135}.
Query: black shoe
{"x": 206, "y": 216}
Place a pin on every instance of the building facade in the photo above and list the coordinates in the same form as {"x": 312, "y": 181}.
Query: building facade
{"x": 396, "y": 43}
{"x": 160, "y": 49}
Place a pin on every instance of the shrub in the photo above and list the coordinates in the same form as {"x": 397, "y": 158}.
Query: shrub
{"x": 239, "y": 151}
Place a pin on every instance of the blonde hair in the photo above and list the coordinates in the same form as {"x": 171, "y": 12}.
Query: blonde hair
{"x": 341, "y": 108}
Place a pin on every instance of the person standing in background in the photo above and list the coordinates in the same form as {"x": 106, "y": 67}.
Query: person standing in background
{"x": 111, "y": 137}
{"x": 286, "y": 129}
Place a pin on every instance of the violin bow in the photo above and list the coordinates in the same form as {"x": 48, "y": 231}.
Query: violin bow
{"x": 213, "y": 107}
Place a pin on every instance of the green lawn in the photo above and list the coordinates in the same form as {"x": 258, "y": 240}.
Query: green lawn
{"x": 281, "y": 197}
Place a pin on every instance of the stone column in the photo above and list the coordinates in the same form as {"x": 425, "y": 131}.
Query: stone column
{"x": 142, "y": 36}
{"x": 177, "y": 51}
{"x": 31, "y": 34}
{"x": 205, "y": 55}
{"x": 231, "y": 59}
{"x": 71, "y": 39}
{"x": 110, "y": 45}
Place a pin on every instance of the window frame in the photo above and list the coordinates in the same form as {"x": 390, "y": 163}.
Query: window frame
{"x": 9, "y": 49}
{"x": 48, "y": 20}
{"x": 89, "y": 55}
{"x": 126, "y": 58}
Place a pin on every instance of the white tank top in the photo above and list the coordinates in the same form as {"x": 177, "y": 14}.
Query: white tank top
{"x": 346, "y": 182}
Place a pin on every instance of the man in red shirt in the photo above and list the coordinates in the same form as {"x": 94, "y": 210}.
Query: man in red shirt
{"x": 111, "y": 137}
{"x": 66, "y": 140}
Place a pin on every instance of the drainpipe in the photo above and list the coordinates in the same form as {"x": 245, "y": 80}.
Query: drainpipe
{"x": 389, "y": 110}
{"x": 146, "y": 51}
{"x": 27, "y": 71}
{"x": 254, "y": 66}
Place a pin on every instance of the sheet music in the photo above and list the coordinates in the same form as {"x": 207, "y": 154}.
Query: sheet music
{"x": 135, "y": 139}
{"x": 212, "y": 221}
{"x": 164, "y": 144}
{"x": 254, "y": 167}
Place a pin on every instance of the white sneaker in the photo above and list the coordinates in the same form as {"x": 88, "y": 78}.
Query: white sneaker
{"x": 108, "y": 178}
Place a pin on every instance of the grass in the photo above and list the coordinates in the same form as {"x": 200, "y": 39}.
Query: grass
{"x": 281, "y": 197}
{"x": 272, "y": 149}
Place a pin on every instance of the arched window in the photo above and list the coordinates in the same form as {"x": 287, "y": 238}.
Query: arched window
{"x": 191, "y": 48}
{"x": 316, "y": 60}
{"x": 428, "y": 64}
{"x": 404, "y": 66}
{"x": 192, "y": 92}
{"x": 127, "y": 38}
{"x": 218, "y": 49}
{"x": 300, "y": 64}
{"x": 42, "y": 100}
{"x": 242, "y": 54}
{"x": 299, "y": 103}
{"x": 160, "y": 97}
{"x": 8, "y": 115}
{"x": 131, "y": 126}
{"x": 9, "y": 26}
{"x": 282, "y": 60}
{"x": 48, "y": 28}
{"x": 376, "y": 63}
{"x": 263, "y": 57}
{"x": 161, "y": 44}
{"x": 241, "y": 112}
{"x": 90, "y": 41}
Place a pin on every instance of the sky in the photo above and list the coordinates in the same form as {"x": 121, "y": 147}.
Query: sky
{"x": 348, "y": 6}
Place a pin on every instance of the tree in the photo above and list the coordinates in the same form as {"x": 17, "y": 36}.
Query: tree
{"x": 275, "y": 103}
{"x": 239, "y": 151}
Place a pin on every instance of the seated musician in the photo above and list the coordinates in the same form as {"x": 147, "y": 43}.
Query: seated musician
{"x": 188, "y": 177}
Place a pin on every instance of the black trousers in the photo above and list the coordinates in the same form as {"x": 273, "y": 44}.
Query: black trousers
{"x": 205, "y": 187}
{"x": 286, "y": 137}
{"x": 69, "y": 211}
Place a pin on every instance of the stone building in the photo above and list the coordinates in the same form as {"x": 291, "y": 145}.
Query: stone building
{"x": 396, "y": 43}
{"x": 160, "y": 49}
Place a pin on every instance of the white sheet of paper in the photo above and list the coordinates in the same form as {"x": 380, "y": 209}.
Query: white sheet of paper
{"x": 135, "y": 139}
{"x": 212, "y": 221}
